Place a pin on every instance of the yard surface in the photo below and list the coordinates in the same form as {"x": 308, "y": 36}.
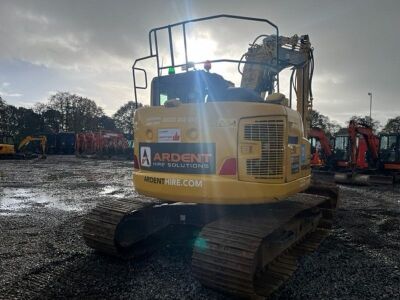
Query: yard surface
{"x": 42, "y": 253}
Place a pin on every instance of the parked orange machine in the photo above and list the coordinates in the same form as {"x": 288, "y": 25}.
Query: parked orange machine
{"x": 320, "y": 157}
{"x": 101, "y": 143}
{"x": 360, "y": 150}
{"x": 371, "y": 157}
{"x": 389, "y": 154}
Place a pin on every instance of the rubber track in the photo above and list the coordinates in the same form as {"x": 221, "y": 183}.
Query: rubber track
{"x": 226, "y": 251}
{"x": 283, "y": 267}
{"x": 100, "y": 224}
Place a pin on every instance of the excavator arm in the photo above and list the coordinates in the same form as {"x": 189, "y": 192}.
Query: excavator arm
{"x": 320, "y": 135}
{"x": 261, "y": 69}
{"x": 28, "y": 139}
{"x": 371, "y": 140}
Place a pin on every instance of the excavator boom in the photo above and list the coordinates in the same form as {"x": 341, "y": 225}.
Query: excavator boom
{"x": 320, "y": 135}
{"x": 293, "y": 52}
{"x": 370, "y": 138}
{"x": 28, "y": 139}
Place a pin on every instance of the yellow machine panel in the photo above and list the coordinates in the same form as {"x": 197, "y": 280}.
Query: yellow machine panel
{"x": 220, "y": 152}
{"x": 6, "y": 149}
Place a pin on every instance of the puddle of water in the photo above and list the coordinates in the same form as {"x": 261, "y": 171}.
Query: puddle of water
{"x": 112, "y": 191}
{"x": 11, "y": 214}
{"x": 15, "y": 199}
{"x": 65, "y": 207}
{"x": 108, "y": 190}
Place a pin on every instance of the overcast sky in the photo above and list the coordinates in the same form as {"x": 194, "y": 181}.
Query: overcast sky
{"x": 88, "y": 47}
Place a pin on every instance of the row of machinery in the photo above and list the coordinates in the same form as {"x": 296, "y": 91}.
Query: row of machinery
{"x": 101, "y": 144}
{"x": 356, "y": 155}
{"x": 62, "y": 143}
{"x": 27, "y": 148}
{"x": 233, "y": 162}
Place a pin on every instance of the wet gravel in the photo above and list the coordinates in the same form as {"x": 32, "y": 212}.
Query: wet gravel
{"x": 42, "y": 254}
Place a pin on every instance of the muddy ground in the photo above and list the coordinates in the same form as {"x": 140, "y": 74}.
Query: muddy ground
{"x": 42, "y": 254}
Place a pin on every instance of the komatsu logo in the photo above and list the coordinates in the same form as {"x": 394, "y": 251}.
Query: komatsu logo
{"x": 145, "y": 156}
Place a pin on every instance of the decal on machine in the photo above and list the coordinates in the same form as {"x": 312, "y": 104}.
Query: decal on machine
{"x": 145, "y": 156}
{"x": 295, "y": 166}
{"x": 169, "y": 135}
{"x": 198, "y": 183}
{"x": 186, "y": 158}
{"x": 303, "y": 154}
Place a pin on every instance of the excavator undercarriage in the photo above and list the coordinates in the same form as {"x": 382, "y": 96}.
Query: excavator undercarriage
{"x": 244, "y": 250}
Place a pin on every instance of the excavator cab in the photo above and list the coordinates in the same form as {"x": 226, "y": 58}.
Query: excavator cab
{"x": 389, "y": 151}
{"x": 197, "y": 86}
{"x": 342, "y": 151}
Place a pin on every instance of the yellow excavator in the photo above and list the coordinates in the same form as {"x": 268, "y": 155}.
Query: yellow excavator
{"x": 7, "y": 148}
{"x": 231, "y": 161}
{"x": 29, "y": 139}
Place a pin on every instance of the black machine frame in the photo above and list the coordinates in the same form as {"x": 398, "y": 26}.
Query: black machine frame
{"x": 154, "y": 49}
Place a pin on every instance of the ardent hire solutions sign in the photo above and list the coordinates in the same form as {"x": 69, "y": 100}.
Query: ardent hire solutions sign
{"x": 188, "y": 158}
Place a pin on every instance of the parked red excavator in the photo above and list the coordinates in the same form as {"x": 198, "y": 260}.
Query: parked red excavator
{"x": 348, "y": 150}
{"x": 321, "y": 149}
{"x": 357, "y": 156}
{"x": 337, "y": 157}
{"x": 389, "y": 154}
{"x": 371, "y": 141}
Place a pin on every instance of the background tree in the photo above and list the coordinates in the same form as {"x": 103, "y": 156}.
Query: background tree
{"x": 70, "y": 112}
{"x": 123, "y": 118}
{"x": 51, "y": 120}
{"x": 75, "y": 113}
{"x": 106, "y": 123}
{"x": 28, "y": 122}
{"x": 2, "y": 103}
{"x": 63, "y": 112}
{"x": 392, "y": 125}
{"x": 19, "y": 122}
{"x": 3, "y": 107}
{"x": 374, "y": 124}
{"x": 323, "y": 122}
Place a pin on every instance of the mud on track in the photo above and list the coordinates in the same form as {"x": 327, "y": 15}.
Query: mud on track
{"x": 42, "y": 254}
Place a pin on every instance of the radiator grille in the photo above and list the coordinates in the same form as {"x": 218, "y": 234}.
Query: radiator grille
{"x": 270, "y": 133}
